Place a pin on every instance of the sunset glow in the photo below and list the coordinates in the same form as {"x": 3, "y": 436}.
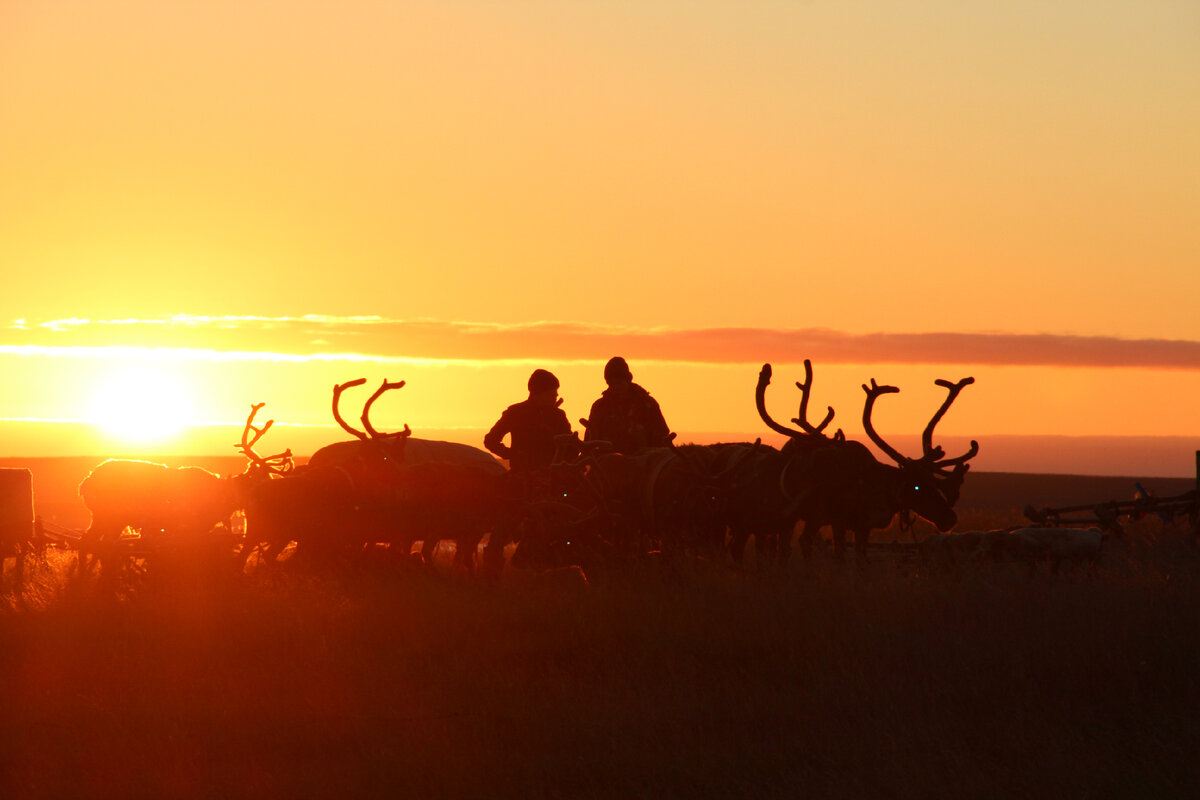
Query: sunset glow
{"x": 633, "y": 398}
{"x": 141, "y": 405}
{"x": 255, "y": 201}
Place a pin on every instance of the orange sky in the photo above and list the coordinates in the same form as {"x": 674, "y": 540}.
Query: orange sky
{"x": 454, "y": 194}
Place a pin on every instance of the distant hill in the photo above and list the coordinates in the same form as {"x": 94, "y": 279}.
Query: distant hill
{"x": 998, "y": 491}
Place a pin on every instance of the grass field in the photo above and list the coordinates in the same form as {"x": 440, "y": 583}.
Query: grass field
{"x": 688, "y": 680}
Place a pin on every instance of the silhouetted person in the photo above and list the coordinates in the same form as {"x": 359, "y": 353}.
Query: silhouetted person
{"x": 625, "y": 414}
{"x": 531, "y": 425}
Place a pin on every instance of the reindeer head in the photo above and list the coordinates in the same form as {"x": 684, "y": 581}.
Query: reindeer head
{"x": 261, "y": 467}
{"x": 928, "y": 485}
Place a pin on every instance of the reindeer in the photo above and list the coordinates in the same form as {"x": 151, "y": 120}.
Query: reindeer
{"x": 371, "y": 450}
{"x": 830, "y": 480}
{"x": 1075, "y": 547}
{"x": 383, "y": 488}
{"x": 659, "y": 498}
{"x": 156, "y": 500}
{"x": 752, "y": 501}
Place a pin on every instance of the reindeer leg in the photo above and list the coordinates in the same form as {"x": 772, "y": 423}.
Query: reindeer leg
{"x": 808, "y": 535}
{"x": 737, "y": 544}
{"x": 429, "y": 548}
{"x": 464, "y": 552}
{"x": 861, "y": 537}
{"x": 839, "y": 541}
{"x": 785, "y": 543}
{"x": 493, "y": 552}
{"x": 764, "y": 549}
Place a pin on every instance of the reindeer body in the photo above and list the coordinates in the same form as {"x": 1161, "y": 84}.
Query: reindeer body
{"x": 1032, "y": 546}
{"x": 1055, "y": 546}
{"x": 946, "y": 550}
{"x": 151, "y": 498}
{"x": 656, "y": 498}
{"x": 832, "y": 481}
{"x": 751, "y": 500}
{"x": 382, "y": 488}
{"x": 408, "y": 450}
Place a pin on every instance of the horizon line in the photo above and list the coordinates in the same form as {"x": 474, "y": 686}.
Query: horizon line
{"x": 706, "y": 431}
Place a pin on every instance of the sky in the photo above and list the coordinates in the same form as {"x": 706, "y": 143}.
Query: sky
{"x": 205, "y": 205}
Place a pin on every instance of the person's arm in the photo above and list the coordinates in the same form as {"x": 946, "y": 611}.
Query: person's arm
{"x": 494, "y": 441}
{"x": 593, "y": 422}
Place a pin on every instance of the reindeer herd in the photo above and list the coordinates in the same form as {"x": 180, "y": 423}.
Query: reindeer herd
{"x": 382, "y": 492}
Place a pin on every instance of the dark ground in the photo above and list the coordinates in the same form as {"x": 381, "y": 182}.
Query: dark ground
{"x": 681, "y": 680}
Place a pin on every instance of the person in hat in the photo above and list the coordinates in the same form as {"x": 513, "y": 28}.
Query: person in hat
{"x": 531, "y": 426}
{"x": 625, "y": 414}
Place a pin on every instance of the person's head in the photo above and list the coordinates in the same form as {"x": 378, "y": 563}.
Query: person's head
{"x": 543, "y": 385}
{"x": 616, "y": 372}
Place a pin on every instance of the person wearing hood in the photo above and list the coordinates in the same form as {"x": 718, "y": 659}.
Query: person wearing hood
{"x": 625, "y": 414}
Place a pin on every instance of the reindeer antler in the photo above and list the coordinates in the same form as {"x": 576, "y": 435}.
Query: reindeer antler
{"x": 280, "y": 463}
{"x": 369, "y": 431}
{"x": 760, "y": 401}
{"x": 248, "y": 446}
{"x": 873, "y": 391}
{"x": 337, "y": 394}
{"x": 366, "y": 413}
{"x": 934, "y": 454}
{"x": 806, "y": 388}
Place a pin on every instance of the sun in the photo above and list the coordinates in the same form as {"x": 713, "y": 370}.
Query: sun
{"x": 142, "y": 404}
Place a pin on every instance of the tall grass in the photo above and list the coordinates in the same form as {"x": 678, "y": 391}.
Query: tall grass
{"x": 675, "y": 680}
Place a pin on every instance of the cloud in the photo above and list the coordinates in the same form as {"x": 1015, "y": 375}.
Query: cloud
{"x": 320, "y": 337}
{"x": 125, "y": 352}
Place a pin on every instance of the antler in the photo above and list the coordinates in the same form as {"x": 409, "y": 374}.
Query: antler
{"x": 873, "y": 391}
{"x": 805, "y": 388}
{"x": 337, "y": 394}
{"x": 760, "y": 394}
{"x": 279, "y": 463}
{"x": 366, "y": 413}
{"x": 934, "y": 454}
